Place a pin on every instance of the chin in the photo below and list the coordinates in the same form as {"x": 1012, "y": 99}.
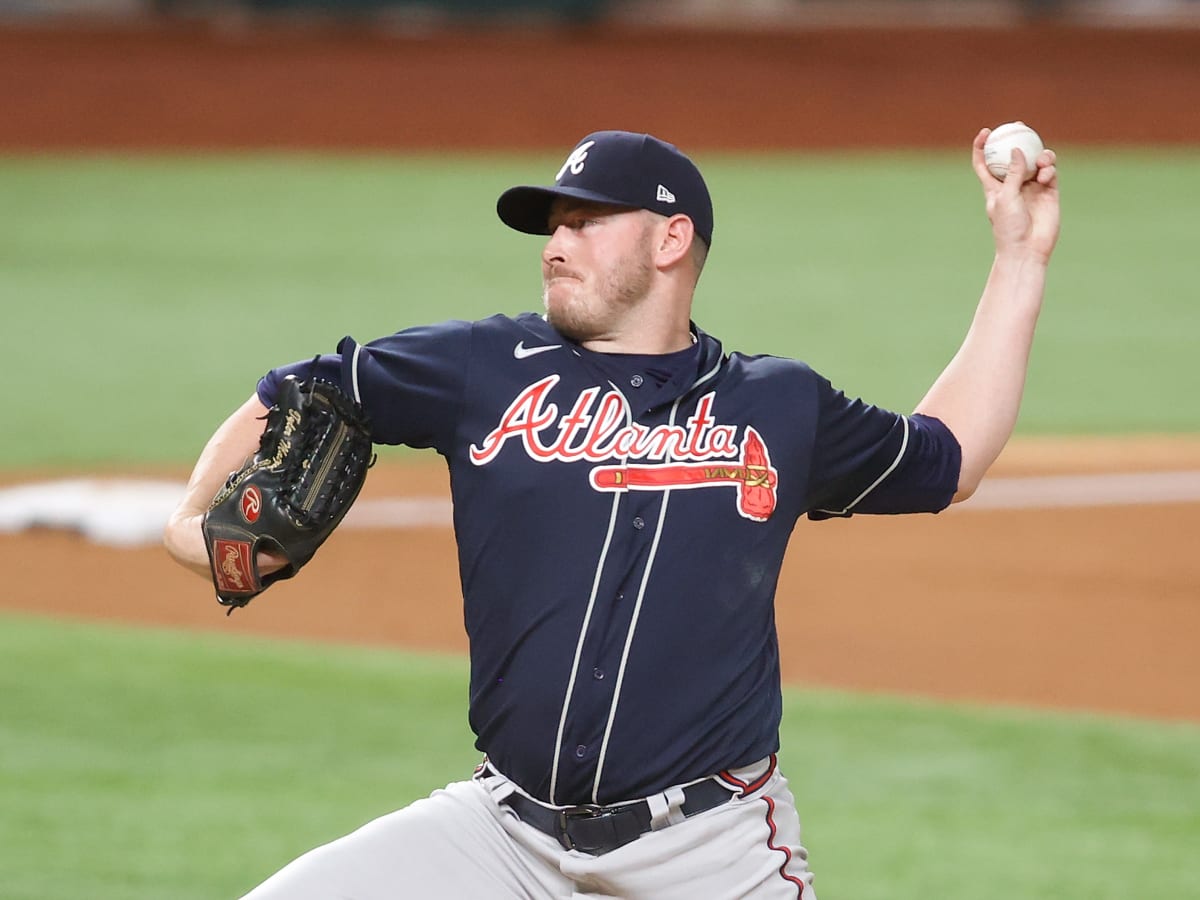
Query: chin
{"x": 567, "y": 325}
{"x": 559, "y": 305}
{"x": 565, "y": 328}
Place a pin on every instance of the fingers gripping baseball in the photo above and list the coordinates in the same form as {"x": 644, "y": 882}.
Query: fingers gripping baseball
{"x": 1024, "y": 211}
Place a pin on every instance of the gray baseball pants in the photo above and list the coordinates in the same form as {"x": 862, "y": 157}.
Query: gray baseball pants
{"x": 465, "y": 842}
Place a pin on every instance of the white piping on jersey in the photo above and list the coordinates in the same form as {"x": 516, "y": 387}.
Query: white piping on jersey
{"x": 703, "y": 378}
{"x": 587, "y": 618}
{"x": 637, "y": 609}
{"x": 878, "y": 481}
{"x": 354, "y": 373}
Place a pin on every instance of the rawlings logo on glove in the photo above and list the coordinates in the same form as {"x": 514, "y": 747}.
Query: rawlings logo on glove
{"x": 311, "y": 463}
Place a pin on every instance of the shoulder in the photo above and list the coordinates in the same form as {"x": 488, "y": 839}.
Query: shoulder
{"x": 508, "y": 335}
{"x": 524, "y": 325}
{"x": 450, "y": 332}
{"x": 776, "y": 368}
{"x": 453, "y": 340}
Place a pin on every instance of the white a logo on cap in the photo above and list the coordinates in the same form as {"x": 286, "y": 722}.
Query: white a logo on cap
{"x": 664, "y": 196}
{"x": 575, "y": 161}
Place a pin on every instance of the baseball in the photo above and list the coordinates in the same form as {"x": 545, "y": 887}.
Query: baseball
{"x": 997, "y": 150}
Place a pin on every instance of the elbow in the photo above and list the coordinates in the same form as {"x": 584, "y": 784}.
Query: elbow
{"x": 969, "y": 480}
{"x": 964, "y": 492}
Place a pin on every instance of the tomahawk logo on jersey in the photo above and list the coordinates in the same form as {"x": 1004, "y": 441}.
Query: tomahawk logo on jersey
{"x": 591, "y": 680}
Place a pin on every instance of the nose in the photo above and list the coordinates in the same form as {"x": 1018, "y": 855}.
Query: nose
{"x": 555, "y": 252}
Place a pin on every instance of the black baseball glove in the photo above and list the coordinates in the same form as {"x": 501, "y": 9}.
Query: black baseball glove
{"x": 310, "y": 465}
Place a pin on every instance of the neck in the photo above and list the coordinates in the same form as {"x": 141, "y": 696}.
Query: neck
{"x": 660, "y": 324}
{"x": 641, "y": 342}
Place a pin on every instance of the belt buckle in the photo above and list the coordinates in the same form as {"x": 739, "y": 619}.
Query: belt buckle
{"x": 574, "y": 812}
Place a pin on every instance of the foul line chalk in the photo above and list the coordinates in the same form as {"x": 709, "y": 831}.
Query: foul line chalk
{"x": 129, "y": 512}
{"x": 1075, "y": 491}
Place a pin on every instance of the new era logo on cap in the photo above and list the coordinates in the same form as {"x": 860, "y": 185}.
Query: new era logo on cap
{"x": 619, "y": 168}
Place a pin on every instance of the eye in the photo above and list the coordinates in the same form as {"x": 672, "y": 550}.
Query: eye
{"x": 576, "y": 222}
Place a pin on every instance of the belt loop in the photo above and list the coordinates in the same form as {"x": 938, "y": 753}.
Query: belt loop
{"x": 666, "y": 808}
{"x": 675, "y": 798}
{"x": 660, "y": 811}
{"x": 494, "y": 782}
{"x": 500, "y": 789}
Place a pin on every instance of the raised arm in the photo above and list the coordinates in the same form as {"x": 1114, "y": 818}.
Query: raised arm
{"x": 979, "y": 393}
{"x": 229, "y": 447}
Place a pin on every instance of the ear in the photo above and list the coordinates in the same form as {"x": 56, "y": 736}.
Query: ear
{"x": 676, "y": 241}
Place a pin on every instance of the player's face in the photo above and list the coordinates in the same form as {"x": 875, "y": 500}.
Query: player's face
{"x": 596, "y": 267}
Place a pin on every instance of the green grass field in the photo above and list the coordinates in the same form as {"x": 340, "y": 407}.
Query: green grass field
{"x": 167, "y": 286}
{"x": 143, "y": 297}
{"x": 152, "y": 764}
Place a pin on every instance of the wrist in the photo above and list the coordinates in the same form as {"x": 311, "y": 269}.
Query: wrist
{"x": 183, "y": 538}
{"x": 1020, "y": 257}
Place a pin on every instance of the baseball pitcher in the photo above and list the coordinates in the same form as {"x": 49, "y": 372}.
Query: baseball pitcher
{"x": 624, "y": 490}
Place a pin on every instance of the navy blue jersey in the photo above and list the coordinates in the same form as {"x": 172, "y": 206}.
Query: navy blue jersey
{"x": 621, "y": 524}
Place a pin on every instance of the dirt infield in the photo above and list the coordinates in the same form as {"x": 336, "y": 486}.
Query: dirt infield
{"x": 1090, "y": 608}
{"x": 1093, "y": 608}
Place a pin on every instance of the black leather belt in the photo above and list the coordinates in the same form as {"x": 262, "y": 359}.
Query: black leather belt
{"x": 599, "y": 829}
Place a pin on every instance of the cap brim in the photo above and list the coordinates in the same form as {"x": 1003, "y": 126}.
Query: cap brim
{"x": 527, "y": 207}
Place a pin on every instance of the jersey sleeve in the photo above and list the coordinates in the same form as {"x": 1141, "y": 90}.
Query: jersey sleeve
{"x": 411, "y": 383}
{"x": 325, "y": 368}
{"x": 870, "y": 460}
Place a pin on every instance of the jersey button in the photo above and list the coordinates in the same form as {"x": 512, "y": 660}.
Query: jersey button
{"x": 639, "y": 523}
{"x": 581, "y": 751}
{"x": 598, "y": 674}
{"x": 637, "y": 380}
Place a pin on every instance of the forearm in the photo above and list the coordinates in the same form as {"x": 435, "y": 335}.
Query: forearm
{"x": 226, "y": 451}
{"x": 978, "y": 395}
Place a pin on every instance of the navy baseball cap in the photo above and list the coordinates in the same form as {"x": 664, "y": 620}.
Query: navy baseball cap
{"x": 618, "y": 167}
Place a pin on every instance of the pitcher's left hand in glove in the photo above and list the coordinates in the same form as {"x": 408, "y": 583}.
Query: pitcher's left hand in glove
{"x": 311, "y": 463}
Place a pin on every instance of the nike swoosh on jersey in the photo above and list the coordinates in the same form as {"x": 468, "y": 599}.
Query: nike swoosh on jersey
{"x": 522, "y": 352}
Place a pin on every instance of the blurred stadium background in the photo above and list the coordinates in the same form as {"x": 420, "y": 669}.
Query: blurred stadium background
{"x": 987, "y": 704}
{"x": 704, "y": 13}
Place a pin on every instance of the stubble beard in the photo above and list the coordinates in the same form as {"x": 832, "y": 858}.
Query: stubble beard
{"x": 592, "y": 313}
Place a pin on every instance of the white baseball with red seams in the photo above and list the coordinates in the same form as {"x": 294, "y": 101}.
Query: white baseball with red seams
{"x": 997, "y": 150}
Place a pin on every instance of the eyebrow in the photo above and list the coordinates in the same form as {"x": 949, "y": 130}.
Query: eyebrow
{"x": 568, "y": 206}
